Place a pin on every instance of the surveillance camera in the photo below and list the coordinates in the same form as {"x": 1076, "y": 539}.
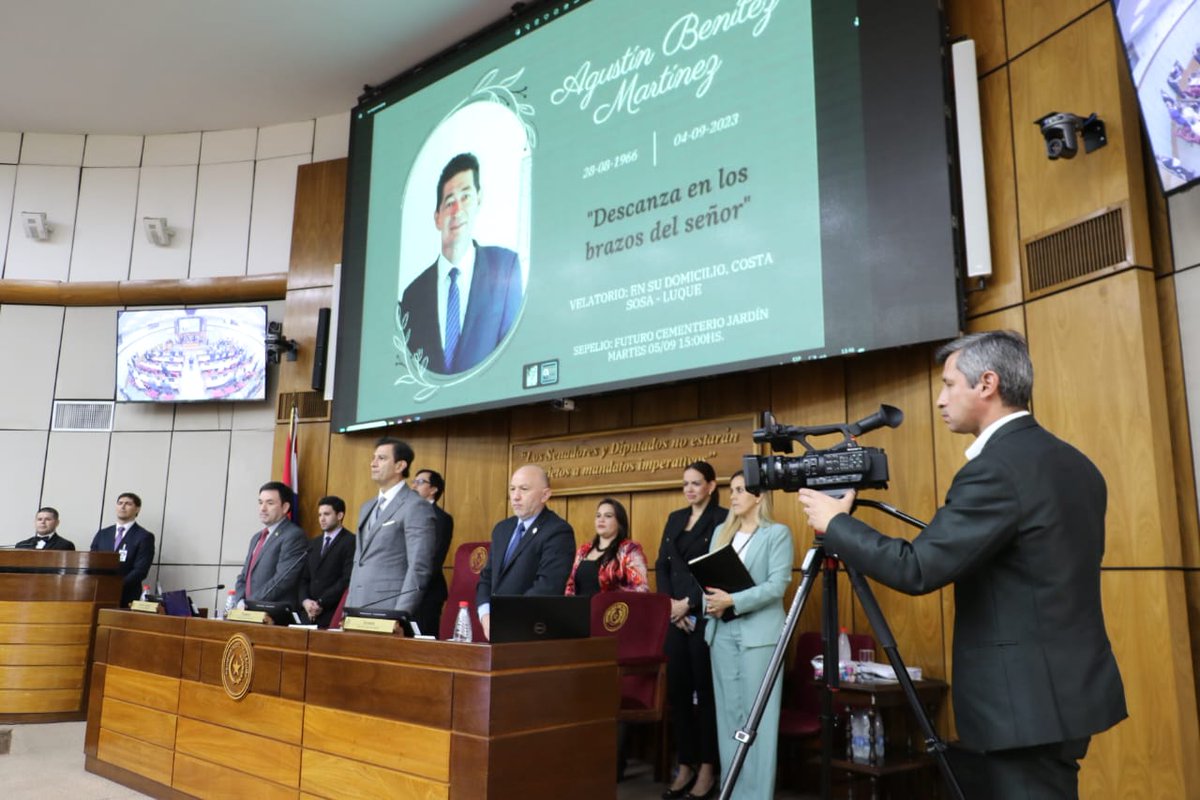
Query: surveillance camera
{"x": 1060, "y": 132}
{"x": 563, "y": 404}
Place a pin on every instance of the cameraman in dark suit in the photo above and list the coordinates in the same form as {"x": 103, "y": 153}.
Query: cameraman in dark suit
{"x": 430, "y": 485}
{"x": 1021, "y": 537}
{"x": 132, "y": 543}
{"x": 532, "y": 551}
{"x": 325, "y": 573}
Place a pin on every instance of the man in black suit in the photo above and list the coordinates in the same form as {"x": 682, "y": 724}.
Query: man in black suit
{"x": 325, "y": 574}
{"x": 45, "y": 537}
{"x": 1021, "y": 536}
{"x": 532, "y": 552}
{"x": 276, "y": 552}
{"x": 132, "y": 543}
{"x": 430, "y": 485}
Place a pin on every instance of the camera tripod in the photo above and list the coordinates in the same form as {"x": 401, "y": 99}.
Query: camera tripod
{"x": 816, "y": 562}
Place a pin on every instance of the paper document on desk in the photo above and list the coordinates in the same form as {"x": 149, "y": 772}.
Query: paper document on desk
{"x": 863, "y": 670}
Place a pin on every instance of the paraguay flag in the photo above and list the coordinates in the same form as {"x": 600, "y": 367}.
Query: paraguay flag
{"x": 291, "y": 466}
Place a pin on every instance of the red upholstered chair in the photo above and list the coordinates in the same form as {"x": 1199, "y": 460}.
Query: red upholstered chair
{"x": 469, "y": 560}
{"x": 639, "y": 620}
{"x": 336, "y": 620}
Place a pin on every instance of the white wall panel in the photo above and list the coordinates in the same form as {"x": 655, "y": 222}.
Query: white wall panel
{"x": 137, "y": 462}
{"x": 87, "y": 360}
{"x": 249, "y": 468}
{"x": 144, "y": 417}
{"x": 332, "y": 137}
{"x": 104, "y": 150}
{"x": 256, "y": 416}
{"x": 20, "y": 482}
{"x": 272, "y": 213}
{"x": 104, "y": 228}
{"x": 203, "y": 416}
{"x": 10, "y": 147}
{"x": 54, "y": 191}
{"x": 195, "y": 490}
{"x": 76, "y": 463}
{"x": 165, "y": 192}
{"x": 29, "y": 360}
{"x": 171, "y": 150}
{"x": 8, "y": 181}
{"x": 1187, "y": 296}
{"x": 288, "y": 139}
{"x": 222, "y": 238}
{"x": 220, "y": 147}
{"x": 53, "y": 149}
{"x": 1185, "y": 229}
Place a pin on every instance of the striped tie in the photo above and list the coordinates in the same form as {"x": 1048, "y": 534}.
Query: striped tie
{"x": 453, "y": 325}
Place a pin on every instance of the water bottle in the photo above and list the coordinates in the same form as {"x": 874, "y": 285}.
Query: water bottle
{"x": 860, "y": 733}
{"x": 843, "y": 649}
{"x": 145, "y": 591}
{"x": 878, "y": 738}
{"x": 229, "y": 605}
{"x": 462, "y": 623}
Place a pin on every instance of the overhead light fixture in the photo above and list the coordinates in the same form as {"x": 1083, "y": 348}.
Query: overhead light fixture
{"x": 157, "y": 231}
{"x": 34, "y": 223}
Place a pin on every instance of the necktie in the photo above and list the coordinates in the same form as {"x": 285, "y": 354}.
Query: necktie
{"x": 120, "y": 536}
{"x": 453, "y": 326}
{"x": 325, "y": 546}
{"x": 377, "y": 512}
{"x": 262, "y": 539}
{"x": 512, "y": 544}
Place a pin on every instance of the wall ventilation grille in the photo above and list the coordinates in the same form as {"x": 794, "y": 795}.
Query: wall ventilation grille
{"x": 82, "y": 415}
{"x": 310, "y": 405}
{"x": 1095, "y": 244}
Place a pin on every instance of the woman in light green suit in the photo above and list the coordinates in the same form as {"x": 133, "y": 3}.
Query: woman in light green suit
{"x": 741, "y": 647}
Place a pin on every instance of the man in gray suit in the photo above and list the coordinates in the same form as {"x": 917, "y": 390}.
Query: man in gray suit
{"x": 394, "y": 551}
{"x": 1021, "y": 537}
{"x": 276, "y": 553}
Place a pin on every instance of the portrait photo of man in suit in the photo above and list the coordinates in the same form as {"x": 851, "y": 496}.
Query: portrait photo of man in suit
{"x": 394, "y": 548}
{"x": 430, "y": 485}
{"x": 276, "y": 552}
{"x": 133, "y": 544}
{"x": 325, "y": 574}
{"x": 532, "y": 551}
{"x": 1021, "y": 537}
{"x": 463, "y": 305}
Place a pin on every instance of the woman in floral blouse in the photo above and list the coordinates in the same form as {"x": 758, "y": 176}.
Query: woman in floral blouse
{"x": 611, "y": 562}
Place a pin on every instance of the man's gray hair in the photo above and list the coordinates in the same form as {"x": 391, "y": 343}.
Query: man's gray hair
{"x": 1003, "y": 352}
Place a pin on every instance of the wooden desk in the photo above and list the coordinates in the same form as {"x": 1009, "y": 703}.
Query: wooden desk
{"x": 904, "y": 744}
{"x": 340, "y": 715}
{"x": 48, "y": 605}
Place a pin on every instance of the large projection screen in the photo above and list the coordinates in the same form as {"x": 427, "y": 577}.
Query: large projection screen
{"x": 662, "y": 190}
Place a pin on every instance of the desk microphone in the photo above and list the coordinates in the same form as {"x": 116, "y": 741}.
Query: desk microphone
{"x": 206, "y": 588}
{"x": 381, "y": 600}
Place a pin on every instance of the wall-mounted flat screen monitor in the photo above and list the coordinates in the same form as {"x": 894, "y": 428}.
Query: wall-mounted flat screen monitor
{"x": 188, "y": 355}
{"x": 606, "y": 194}
{"x": 1162, "y": 48}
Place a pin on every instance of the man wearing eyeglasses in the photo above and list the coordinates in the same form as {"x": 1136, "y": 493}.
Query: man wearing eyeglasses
{"x": 430, "y": 485}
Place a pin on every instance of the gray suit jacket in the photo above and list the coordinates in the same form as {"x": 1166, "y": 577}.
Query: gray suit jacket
{"x": 278, "y": 567}
{"x": 394, "y": 554}
{"x": 1021, "y": 536}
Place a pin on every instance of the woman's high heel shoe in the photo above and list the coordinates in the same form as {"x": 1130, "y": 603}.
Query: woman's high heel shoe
{"x": 711, "y": 793}
{"x": 682, "y": 791}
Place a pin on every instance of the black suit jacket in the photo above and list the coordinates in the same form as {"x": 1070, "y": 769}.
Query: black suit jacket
{"x": 540, "y": 565}
{"x": 325, "y": 578}
{"x": 678, "y": 547}
{"x": 1021, "y": 536}
{"x": 55, "y": 542}
{"x": 493, "y": 305}
{"x": 138, "y": 545}
{"x": 429, "y": 613}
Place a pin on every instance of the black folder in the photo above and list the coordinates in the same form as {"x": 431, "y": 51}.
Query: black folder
{"x": 721, "y": 569}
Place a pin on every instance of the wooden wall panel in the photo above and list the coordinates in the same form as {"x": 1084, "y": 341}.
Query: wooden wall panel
{"x": 139, "y": 722}
{"x": 264, "y": 758}
{"x": 136, "y": 756}
{"x": 983, "y": 21}
{"x": 317, "y": 225}
{"x": 1003, "y": 288}
{"x": 350, "y": 471}
{"x": 255, "y": 713}
{"x": 300, "y": 325}
{"x": 333, "y": 777}
{"x": 602, "y": 413}
{"x": 416, "y": 749}
{"x": 1177, "y": 419}
{"x": 205, "y": 779}
{"x": 1076, "y": 339}
{"x": 1077, "y": 71}
{"x": 477, "y": 463}
{"x": 1029, "y": 21}
{"x": 665, "y": 404}
{"x": 313, "y": 447}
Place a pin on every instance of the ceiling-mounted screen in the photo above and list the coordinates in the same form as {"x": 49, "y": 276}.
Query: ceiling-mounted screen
{"x": 187, "y": 355}
{"x": 1162, "y": 47}
{"x": 613, "y": 193}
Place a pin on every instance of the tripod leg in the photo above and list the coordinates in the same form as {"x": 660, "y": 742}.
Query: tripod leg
{"x": 745, "y": 736}
{"x": 933, "y": 742}
{"x": 829, "y": 642}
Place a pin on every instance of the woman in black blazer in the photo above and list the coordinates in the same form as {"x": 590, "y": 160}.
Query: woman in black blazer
{"x": 689, "y": 674}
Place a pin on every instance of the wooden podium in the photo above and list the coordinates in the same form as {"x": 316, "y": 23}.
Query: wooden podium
{"x": 339, "y": 715}
{"x": 48, "y": 605}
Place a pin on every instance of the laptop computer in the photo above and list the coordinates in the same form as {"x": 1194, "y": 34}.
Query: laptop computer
{"x": 531, "y": 618}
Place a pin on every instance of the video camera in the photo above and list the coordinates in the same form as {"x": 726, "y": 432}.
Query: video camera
{"x": 834, "y": 470}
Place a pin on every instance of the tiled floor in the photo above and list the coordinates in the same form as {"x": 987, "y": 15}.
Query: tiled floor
{"x": 46, "y": 763}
